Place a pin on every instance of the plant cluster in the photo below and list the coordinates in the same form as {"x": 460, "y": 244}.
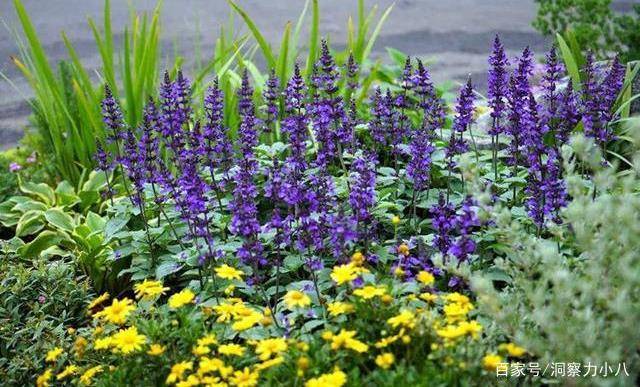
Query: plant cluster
{"x": 594, "y": 25}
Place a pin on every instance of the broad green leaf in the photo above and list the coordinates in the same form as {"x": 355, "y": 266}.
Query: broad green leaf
{"x": 65, "y": 194}
{"x": 40, "y": 190}
{"x": 29, "y": 223}
{"x": 43, "y": 241}
{"x": 95, "y": 222}
{"x": 59, "y": 219}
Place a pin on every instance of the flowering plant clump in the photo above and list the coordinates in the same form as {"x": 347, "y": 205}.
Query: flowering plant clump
{"x": 305, "y": 231}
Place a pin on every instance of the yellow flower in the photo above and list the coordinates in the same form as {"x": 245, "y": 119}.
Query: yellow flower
{"x": 190, "y": 381}
{"x": 456, "y": 311}
{"x": 200, "y": 350}
{"x": 244, "y": 378}
{"x": 178, "y": 300}
{"x": 385, "y": 360}
{"x": 156, "y": 349}
{"x": 149, "y": 289}
{"x": 403, "y": 249}
{"x": 395, "y": 220}
{"x": 128, "y": 340}
{"x": 491, "y": 361}
{"x": 457, "y": 297}
{"x": 43, "y": 380}
{"x": 425, "y": 277}
{"x": 247, "y": 322}
{"x": 86, "y": 377}
{"x": 209, "y": 339}
{"x": 178, "y": 370}
{"x": 53, "y": 354}
{"x": 227, "y": 272}
{"x": 229, "y": 290}
{"x": 79, "y": 346}
{"x": 472, "y": 328}
{"x": 269, "y": 347}
{"x": 103, "y": 343}
{"x": 429, "y": 297}
{"x": 512, "y": 349}
{"x": 343, "y": 274}
{"x": 368, "y": 292}
{"x": 69, "y": 370}
{"x": 357, "y": 258}
{"x": 398, "y": 272}
{"x": 208, "y": 365}
{"x": 346, "y": 339}
{"x": 98, "y": 300}
{"x": 405, "y": 318}
{"x": 231, "y": 350}
{"x": 269, "y": 363}
{"x": 337, "y": 308}
{"x": 335, "y": 379}
{"x": 303, "y": 364}
{"x": 296, "y": 298}
{"x": 451, "y": 332}
{"x": 117, "y": 312}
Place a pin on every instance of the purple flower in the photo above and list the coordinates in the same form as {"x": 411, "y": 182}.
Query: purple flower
{"x": 443, "y": 222}
{"x": 270, "y": 95}
{"x": 218, "y": 146}
{"x": 382, "y": 118}
{"x": 112, "y": 117}
{"x": 244, "y": 208}
{"x": 497, "y": 86}
{"x": 363, "y": 183}
{"x": 14, "y": 167}
{"x": 518, "y": 104}
{"x": 598, "y": 99}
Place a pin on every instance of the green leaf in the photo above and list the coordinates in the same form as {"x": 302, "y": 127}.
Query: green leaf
{"x": 96, "y": 181}
{"x": 43, "y": 241}
{"x": 40, "y": 190}
{"x": 29, "y": 223}
{"x": 570, "y": 63}
{"x": 262, "y": 42}
{"x": 59, "y": 219}
{"x": 165, "y": 269}
{"x": 66, "y": 195}
{"x": 95, "y": 222}
{"x": 374, "y": 34}
{"x": 314, "y": 37}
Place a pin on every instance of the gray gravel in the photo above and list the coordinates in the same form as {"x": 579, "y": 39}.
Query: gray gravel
{"x": 456, "y": 35}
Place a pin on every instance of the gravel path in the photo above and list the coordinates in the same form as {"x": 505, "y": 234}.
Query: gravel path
{"x": 456, "y": 35}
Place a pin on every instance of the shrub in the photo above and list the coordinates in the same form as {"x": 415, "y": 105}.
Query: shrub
{"x": 39, "y": 301}
{"x": 573, "y": 297}
{"x": 595, "y": 26}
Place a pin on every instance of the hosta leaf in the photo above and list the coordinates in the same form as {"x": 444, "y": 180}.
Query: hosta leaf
{"x": 30, "y": 223}
{"x": 40, "y": 190}
{"x": 95, "y": 222}
{"x": 66, "y": 195}
{"x": 43, "y": 241}
{"x": 59, "y": 219}
{"x": 166, "y": 268}
{"x": 95, "y": 182}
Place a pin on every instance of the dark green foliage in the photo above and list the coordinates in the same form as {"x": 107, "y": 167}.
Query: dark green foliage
{"x": 39, "y": 301}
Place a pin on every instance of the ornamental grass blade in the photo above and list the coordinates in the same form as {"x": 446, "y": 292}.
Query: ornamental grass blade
{"x": 262, "y": 42}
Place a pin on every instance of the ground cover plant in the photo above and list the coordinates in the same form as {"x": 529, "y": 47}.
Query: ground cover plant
{"x": 327, "y": 224}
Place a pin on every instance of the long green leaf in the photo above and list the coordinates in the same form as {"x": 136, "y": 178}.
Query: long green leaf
{"x": 283, "y": 55}
{"x": 314, "y": 37}
{"x": 570, "y": 63}
{"x": 374, "y": 34}
{"x": 262, "y": 42}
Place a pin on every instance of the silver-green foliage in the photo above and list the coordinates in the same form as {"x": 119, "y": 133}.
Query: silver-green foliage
{"x": 574, "y": 296}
